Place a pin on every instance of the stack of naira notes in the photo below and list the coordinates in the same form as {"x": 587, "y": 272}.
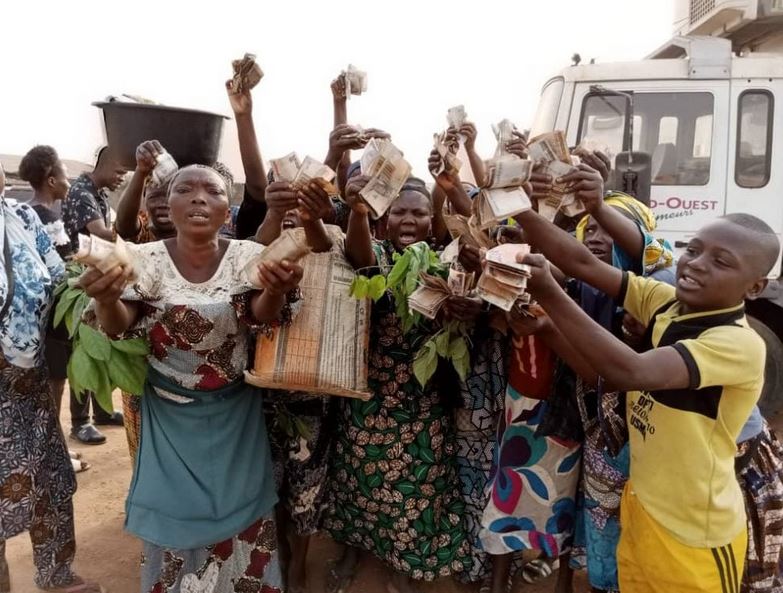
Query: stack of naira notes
{"x": 502, "y": 195}
{"x": 504, "y": 281}
{"x": 550, "y": 155}
{"x": 433, "y": 291}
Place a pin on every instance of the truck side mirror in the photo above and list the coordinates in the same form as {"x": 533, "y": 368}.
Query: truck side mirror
{"x": 632, "y": 175}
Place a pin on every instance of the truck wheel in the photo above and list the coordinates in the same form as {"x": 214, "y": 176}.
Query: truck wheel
{"x": 771, "y": 401}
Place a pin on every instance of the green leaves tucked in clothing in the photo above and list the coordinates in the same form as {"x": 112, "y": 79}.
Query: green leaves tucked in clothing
{"x": 450, "y": 342}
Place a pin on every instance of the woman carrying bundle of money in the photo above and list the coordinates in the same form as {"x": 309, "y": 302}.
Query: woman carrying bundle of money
{"x": 202, "y": 494}
{"x": 388, "y": 497}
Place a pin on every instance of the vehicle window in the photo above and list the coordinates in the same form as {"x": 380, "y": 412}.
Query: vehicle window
{"x": 674, "y": 128}
{"x": 754, "y": 139}
{"x": 548, "y": 106}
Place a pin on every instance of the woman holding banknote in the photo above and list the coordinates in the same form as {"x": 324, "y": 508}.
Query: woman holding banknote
{"x": 394, "y": 490}
{"x": 202, "y": 494}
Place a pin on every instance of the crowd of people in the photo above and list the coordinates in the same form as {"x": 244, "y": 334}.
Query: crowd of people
{"x": 612, "y": 426}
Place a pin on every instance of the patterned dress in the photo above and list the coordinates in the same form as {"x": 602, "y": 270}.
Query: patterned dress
{"x": 36, "y": 476}
{"x": 476, "y": 422}
{"x": 534, "y": 478}
{"x": 301, "y": 462}
{"x": 198, "y": 334}
{"x": 394, "y": 490}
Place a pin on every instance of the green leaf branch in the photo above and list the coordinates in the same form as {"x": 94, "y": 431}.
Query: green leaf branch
{"x": 98, "y": 364}
{"x": 451, "y": 342}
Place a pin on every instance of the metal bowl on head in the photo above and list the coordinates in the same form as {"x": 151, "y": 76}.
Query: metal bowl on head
{"x": 191, "y": 136}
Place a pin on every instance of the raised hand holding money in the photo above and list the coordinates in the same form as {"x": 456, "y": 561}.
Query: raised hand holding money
{"x": 147, "y": 156}
{"x": 587, "y": 185}
{"x": 347, "y": 137}
{"x": 314, "y": 201}
{"x": 355, "y": 81}
{"x": 353, "y": 194}
{"x": 104, "y": 255}
{"x": 281, "y": 197}
{"x": 105, "y": 288}
{"x": 275, "y": 264}
{"x": 247, "y": 74}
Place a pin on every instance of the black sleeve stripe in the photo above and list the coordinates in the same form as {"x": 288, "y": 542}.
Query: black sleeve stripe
{"x": 690, "y": 362}
{"x": 623, "y": 289}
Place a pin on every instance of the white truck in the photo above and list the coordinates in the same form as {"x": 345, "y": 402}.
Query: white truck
{"x": 696, "y": 130}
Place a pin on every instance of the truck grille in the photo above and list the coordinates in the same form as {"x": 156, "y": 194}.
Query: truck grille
{"x": 700, "y": 9}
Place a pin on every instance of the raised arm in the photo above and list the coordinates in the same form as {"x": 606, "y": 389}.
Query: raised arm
{"x": 127, "y": 221}
{"x": 469, "y": 132}
{"x": 624, "y": 232}
{"x": 342, "y": 139}
{"x": 449, "y": 183}
{"x": 358, "y": 238}
{"x": 542, "y": 326}
{"x": 314, "y": 206}
{"x": 568, "y": 254}
{"x": 340, "y": 117}
{"x": 617, "y": 363}
{"x": 280, "y": 198}
{"x": 252, "y": 163}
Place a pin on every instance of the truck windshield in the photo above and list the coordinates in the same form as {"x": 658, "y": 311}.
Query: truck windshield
{"x": 548, "y": 106}
{"x": 674, "y": 128}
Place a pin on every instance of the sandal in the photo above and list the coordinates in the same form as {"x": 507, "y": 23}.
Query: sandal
{"x": 74, "y": 454}
{"x": 337, "y": 582}
{"x": 80, "y": 465}
{"x": 536, "y": 570}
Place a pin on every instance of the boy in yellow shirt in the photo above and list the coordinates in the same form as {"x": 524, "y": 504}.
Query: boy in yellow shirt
{"x": 682, "y": 512}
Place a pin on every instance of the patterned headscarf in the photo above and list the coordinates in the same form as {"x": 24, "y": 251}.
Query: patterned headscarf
{"x": 658, "y": 253}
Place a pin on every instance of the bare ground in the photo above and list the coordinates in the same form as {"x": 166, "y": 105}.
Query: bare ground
{"x": 107, "y": 554}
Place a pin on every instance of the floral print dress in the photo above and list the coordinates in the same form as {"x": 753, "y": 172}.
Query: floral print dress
{"x": 394, "y": 489}
{"x": 534, "y": 478}
{"x": 36, "y": 476}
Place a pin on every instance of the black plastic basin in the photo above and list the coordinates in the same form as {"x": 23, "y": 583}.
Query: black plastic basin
{"x": 191, "y": 136}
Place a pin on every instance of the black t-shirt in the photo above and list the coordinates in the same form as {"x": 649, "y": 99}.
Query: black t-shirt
{"x": 250, "y": 216}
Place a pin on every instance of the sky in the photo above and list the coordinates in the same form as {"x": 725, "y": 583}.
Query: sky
{"x": 421, "y": 56}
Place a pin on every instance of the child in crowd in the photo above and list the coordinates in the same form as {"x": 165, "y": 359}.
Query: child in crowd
{"x": 682, "y": 510}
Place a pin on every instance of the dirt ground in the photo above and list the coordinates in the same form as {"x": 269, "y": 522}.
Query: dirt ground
{"x": 107, "y": 554}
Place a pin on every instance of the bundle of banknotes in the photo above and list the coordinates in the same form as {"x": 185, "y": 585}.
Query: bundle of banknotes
{"x": 502, "y": 195}
{"x": 433, "y": 291}
{"x": 456, "y": 116}
{"x": 290, "y": 246}
{"x": 388, "y": 171}
{"x": 550, "y": 154}
{"x": 355, "y": 81}
{"x": 504, "y": 133}
{"x": 448, "y": 155}
{"x": 165, "y": 168}
{"x": 105, "y": 255}
{"x": 504, "y": 281}
{"x": 247, "y": 74}
{"x": 298, "y": 173}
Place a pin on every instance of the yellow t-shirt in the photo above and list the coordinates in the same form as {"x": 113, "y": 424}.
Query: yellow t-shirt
{"x": 683, "y": 440}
